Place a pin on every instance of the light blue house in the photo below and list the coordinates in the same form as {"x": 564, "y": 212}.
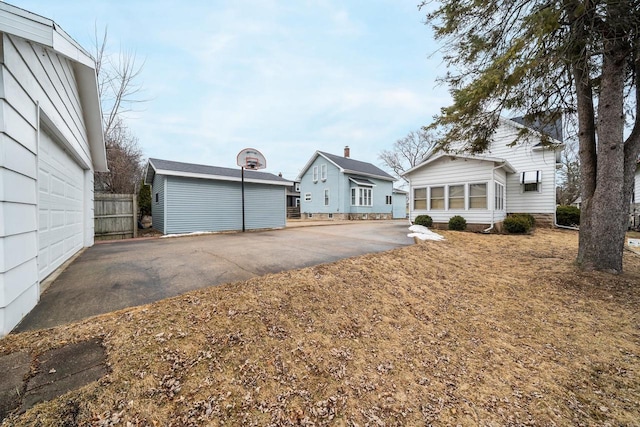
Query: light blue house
{"x": 335, "y": 187}
{"x": 187, "y": 198}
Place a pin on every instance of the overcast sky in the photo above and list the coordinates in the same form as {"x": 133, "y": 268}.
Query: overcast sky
{"x": 287, "y": 77}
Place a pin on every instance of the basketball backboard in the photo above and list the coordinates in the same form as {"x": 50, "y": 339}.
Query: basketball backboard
{"x": 250, "y": 158}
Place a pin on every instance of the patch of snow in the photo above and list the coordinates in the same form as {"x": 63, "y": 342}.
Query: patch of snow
{"x": 419, "y": 229}
{"x": 423, "y": 233}
{"x": 423, "y": 236}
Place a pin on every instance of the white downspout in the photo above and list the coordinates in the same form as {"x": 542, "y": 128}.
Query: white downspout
{"x": 493, "y": 209}
{"x": 555, "y": 223}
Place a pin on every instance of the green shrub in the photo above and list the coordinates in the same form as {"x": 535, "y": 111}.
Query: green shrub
{"x": 568, "y": 215}
{"x": 144, "y": 199}
{"x": 527, "y": 217}
{"x": 424, "y": 220}
{"x": 516, "y": 224}
{"x": 457, "y": 223}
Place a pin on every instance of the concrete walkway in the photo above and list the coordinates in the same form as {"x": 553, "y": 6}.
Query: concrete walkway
{"x": 112, "y": 276}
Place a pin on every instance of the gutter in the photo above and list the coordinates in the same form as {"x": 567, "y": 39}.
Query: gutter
{"x": 493, "y": 179}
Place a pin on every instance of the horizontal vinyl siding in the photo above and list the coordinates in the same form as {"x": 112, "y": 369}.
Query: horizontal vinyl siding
{"x": 332, "y": 183}
{"x": 157, "y": 208}
{"x": 19, "y": 290}
{"x": 378, "y": 197}
{"x": 50, "y": 80}
{"x": 523, "y": 158}
{"x": 207, "y": 205}
{"x": 264, "y": 206}
{"x": 202, "y": 205}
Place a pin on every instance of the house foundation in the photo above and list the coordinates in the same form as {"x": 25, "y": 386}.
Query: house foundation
{"x": 346, "y": 216}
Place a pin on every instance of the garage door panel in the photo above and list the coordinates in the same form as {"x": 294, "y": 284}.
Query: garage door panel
{"x": 60, "y": 205}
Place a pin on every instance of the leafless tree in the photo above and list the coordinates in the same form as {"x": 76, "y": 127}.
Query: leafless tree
{"x": 408, "y": 151}
{"x": 125, "y": 160}
{"x": 119, "y": 91}
{"x": 568, "y": 189}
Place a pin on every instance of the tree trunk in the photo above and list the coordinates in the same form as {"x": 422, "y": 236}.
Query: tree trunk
{"x": 606, "y": 212}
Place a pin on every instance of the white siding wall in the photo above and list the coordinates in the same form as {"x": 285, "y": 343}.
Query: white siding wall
{"x": 523, "y": 158}
{"x": 32, "y": 76}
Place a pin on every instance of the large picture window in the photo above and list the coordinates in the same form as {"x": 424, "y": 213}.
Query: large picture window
{"x": 478, "y": 196}
{"x": 420, "y": 198}
{"x": 437, "y": 198}
{"x": 361, "y": 196}
{"x": 456, "y": 197}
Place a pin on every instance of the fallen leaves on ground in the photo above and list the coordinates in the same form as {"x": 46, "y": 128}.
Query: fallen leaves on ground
{"x": 473, "y": 330}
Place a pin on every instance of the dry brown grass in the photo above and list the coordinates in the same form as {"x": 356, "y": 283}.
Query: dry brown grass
{"x": 475, "y": 330}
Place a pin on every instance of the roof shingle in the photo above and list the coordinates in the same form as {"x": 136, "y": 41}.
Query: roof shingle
{"x": 351, "y": 165}
{"x": 192, "y": 168}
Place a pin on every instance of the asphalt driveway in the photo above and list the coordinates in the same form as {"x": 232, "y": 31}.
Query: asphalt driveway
{"x": 112, "y": 276}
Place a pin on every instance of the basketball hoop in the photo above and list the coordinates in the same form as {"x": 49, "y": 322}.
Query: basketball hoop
{"x": 252, "y": 159}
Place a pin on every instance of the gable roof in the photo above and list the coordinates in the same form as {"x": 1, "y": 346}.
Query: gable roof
{"x": 495, "y": 160}
{"x": 552, "y": 130}
{"x": 191, "y": 170}
{"x": 349, "y": 166}
{"x": 37, "y": 29}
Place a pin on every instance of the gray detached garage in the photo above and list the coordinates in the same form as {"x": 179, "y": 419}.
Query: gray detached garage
{"x": 50, "y": 145}
{"x": 188, "y": 198}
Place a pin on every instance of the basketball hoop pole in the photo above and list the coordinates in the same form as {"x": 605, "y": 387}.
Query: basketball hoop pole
{"x": 254, "y": 160}
{"x": 242, "y": 174}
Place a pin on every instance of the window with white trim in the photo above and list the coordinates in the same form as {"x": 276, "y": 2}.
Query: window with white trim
{"x": 531, "y": 180}
{"x": 478, "y": 196}
{"x": 323, "y": 172}
{"x": 420, "y": 198}
{"x": 437, "y": 198}
{"x": 315, "y": 174}
{"x": 456, "y": 197}
{"x": 307, "y": 197}
{"x": 499, "y": 197}
{"x": 361, "y": 196}
{"x": 326, "y": 197}
{"x": 297, "y": 202}
{"x": 297, "y": 189}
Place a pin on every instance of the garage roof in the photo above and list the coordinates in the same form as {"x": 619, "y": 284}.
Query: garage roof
{"x": 191, "y": 170}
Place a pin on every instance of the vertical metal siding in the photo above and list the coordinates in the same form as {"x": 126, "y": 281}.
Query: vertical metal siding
{"x": 207, "y": 205}
{"x": 157, "y": 209}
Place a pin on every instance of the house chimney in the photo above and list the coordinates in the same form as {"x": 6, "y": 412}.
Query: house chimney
{"x": 280, "y": 174}
{"x": 346, "y": 151}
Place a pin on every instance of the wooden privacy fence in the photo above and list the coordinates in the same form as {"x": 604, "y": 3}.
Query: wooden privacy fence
{"x": 116, "y": 216}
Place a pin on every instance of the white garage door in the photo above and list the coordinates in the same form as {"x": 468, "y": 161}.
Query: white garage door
{"x": 60, "y": 187}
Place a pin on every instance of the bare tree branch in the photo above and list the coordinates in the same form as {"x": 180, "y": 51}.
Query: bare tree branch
{"x": 407, "y": 152}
